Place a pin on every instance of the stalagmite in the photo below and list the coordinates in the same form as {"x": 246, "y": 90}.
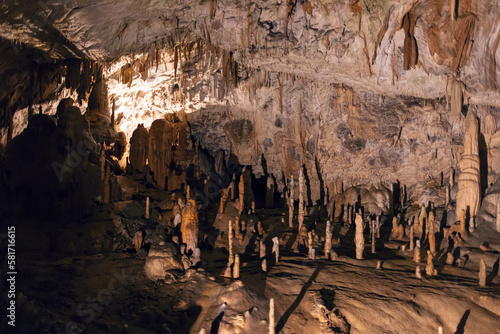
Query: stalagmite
{"x": 230, "y": 243}
{"x": 421, "y": 220}
{"x": 482, "y": 273}
{"x": 309, "y": 245}
{"x": 263, "y": 265}
{"x": 378, "y": 227}
{"x": 429, "y": 269}
{"x": 373, "y": 236}
{"x": 241, "y": 194}
{"x": 160, "y": 150}
{"x": 290, "y": 204}
{"x": 223, "y": 199}
{"x": 276, "y": 248}
{"x": 394, "y": 232}
{"x": 417, "y": 272}
{"x": 187, "y": 193}
{"x": 107, "y": 190}
{"x": 236, "y": 267}
{"x": 328, "y": 240}
{"x": 146, "y": 213}
{"x": 237, "y": 231}
{"x": 431, "y": 236}
{"x": 137, "y": 240}
{"x": 232, "y": 187}
{"x": 301, "y": 199}
{"x": 469, "y": 190}
{"x": 271, "y": 316}
{"x": 412, "y": 242}
{"x": 189, "y": 225}
{"x": 379, "y": 265}
{"x": 253, "y": 207}
{"x": 262, "y": 249}
{"x": 416, "y": 254}
{"x": 359, "y": 239}
{"x": 139, "y": 147}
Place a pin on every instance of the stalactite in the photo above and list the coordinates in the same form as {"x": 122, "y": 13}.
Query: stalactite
{"x": 410, "y": 44}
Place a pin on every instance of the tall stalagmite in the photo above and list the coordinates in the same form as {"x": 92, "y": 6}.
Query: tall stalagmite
{"x": 189, "y": 225}
{"x": 301, "y": 199}
{"x": 139, "y": 143}
{"x": 160, "y": 149}
{"x": 469, "y": 190}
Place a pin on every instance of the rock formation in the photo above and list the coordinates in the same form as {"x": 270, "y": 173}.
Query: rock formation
{"x": 328, "y": 240}
{"x": 301, "y": 199}
{"x": 429, "y": 268}
{"x": 139, "y": 144}
{"x": 469, "y": 178}
{"x": 236, "y": 267}
{"x": 291, "y": 201}
{"x": 241, "y": 194}
{"x": 189, "y": 225}
{"x": 276, "y": 248}
{"x": 359, "y": 238}
{"x": 160, "y": 150}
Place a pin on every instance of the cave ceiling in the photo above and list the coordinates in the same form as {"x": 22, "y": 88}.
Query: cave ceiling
{"x": 392, "y": 48}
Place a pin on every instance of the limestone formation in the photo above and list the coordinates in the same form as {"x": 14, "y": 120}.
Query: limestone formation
{"x": 223, "y": 199}
{"x": 301, "y": 199}
{"x": 263, "y": 265}
{"x": 328, "y": 240}
{"x": 160, "y": 150}
{"x": 310, "y": 245}
{"x": 412, "y": 242}
{"x": 469, "y": 190}
{"x": 429, "y": 269}
{"x": 146, "y": 212}
{"x": 253, "y": 207}
{"x": 290, "y": 204}
{"x": 232, "y": 187}
{"x": 421, "y": 221}
{"x": 482, "y": 273}
{"x": 359, "y": 238}
{"x": 463, "y": 228}
{"x": 139, "y": 143}
{"x": 236, "y": 267}
{"x": 230, "y": 243}
{"x": 450, "y": 259}
{"x": 262, "y": 249}
{"x": 416, "y": 254}
{"x": 430, "y": 231}
{"x": 379, "y": 265}
{"x": 237, "y": 231}
{"x": 189, "y": 225}
{"x": 137, "y": 240}
{"x": 418, "y": 273}
{"x": 241, "y": 194}
{"x": 395, "y": 230}
{"x": 271, "y": 316}
{"x": 276, "y": 248}
{"x": 373, "y": 236}
{"x": 259, "y": 229}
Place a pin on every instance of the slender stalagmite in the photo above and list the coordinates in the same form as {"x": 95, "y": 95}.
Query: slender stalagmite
{"x": 301, "y": 198}
{"x": 147, "y": 208}
{"x": 236, "y": 267}
{"x": 276, "y": 248}
{"x": 412, "y": 242}
{"x": 469, "y": 180}
{"x": 290, "y": 204}
{"x": 230, "y": 244}
{"x": 187, "y": 193}
{"x": 328, "y": 240}
{"x": 482, "y": 273}
{"x": 309, "y": 244}
{"x": 416, "y": 254}
{"x": 373, "y": 236}
{"x": 271, "y": 316}
{"x": 264, "y": 265}
{"x": 430, "y": 229}
{"x": 241, "y": 194}
{"x": 359, "y": 239}
{"x": 421, "y": 220}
